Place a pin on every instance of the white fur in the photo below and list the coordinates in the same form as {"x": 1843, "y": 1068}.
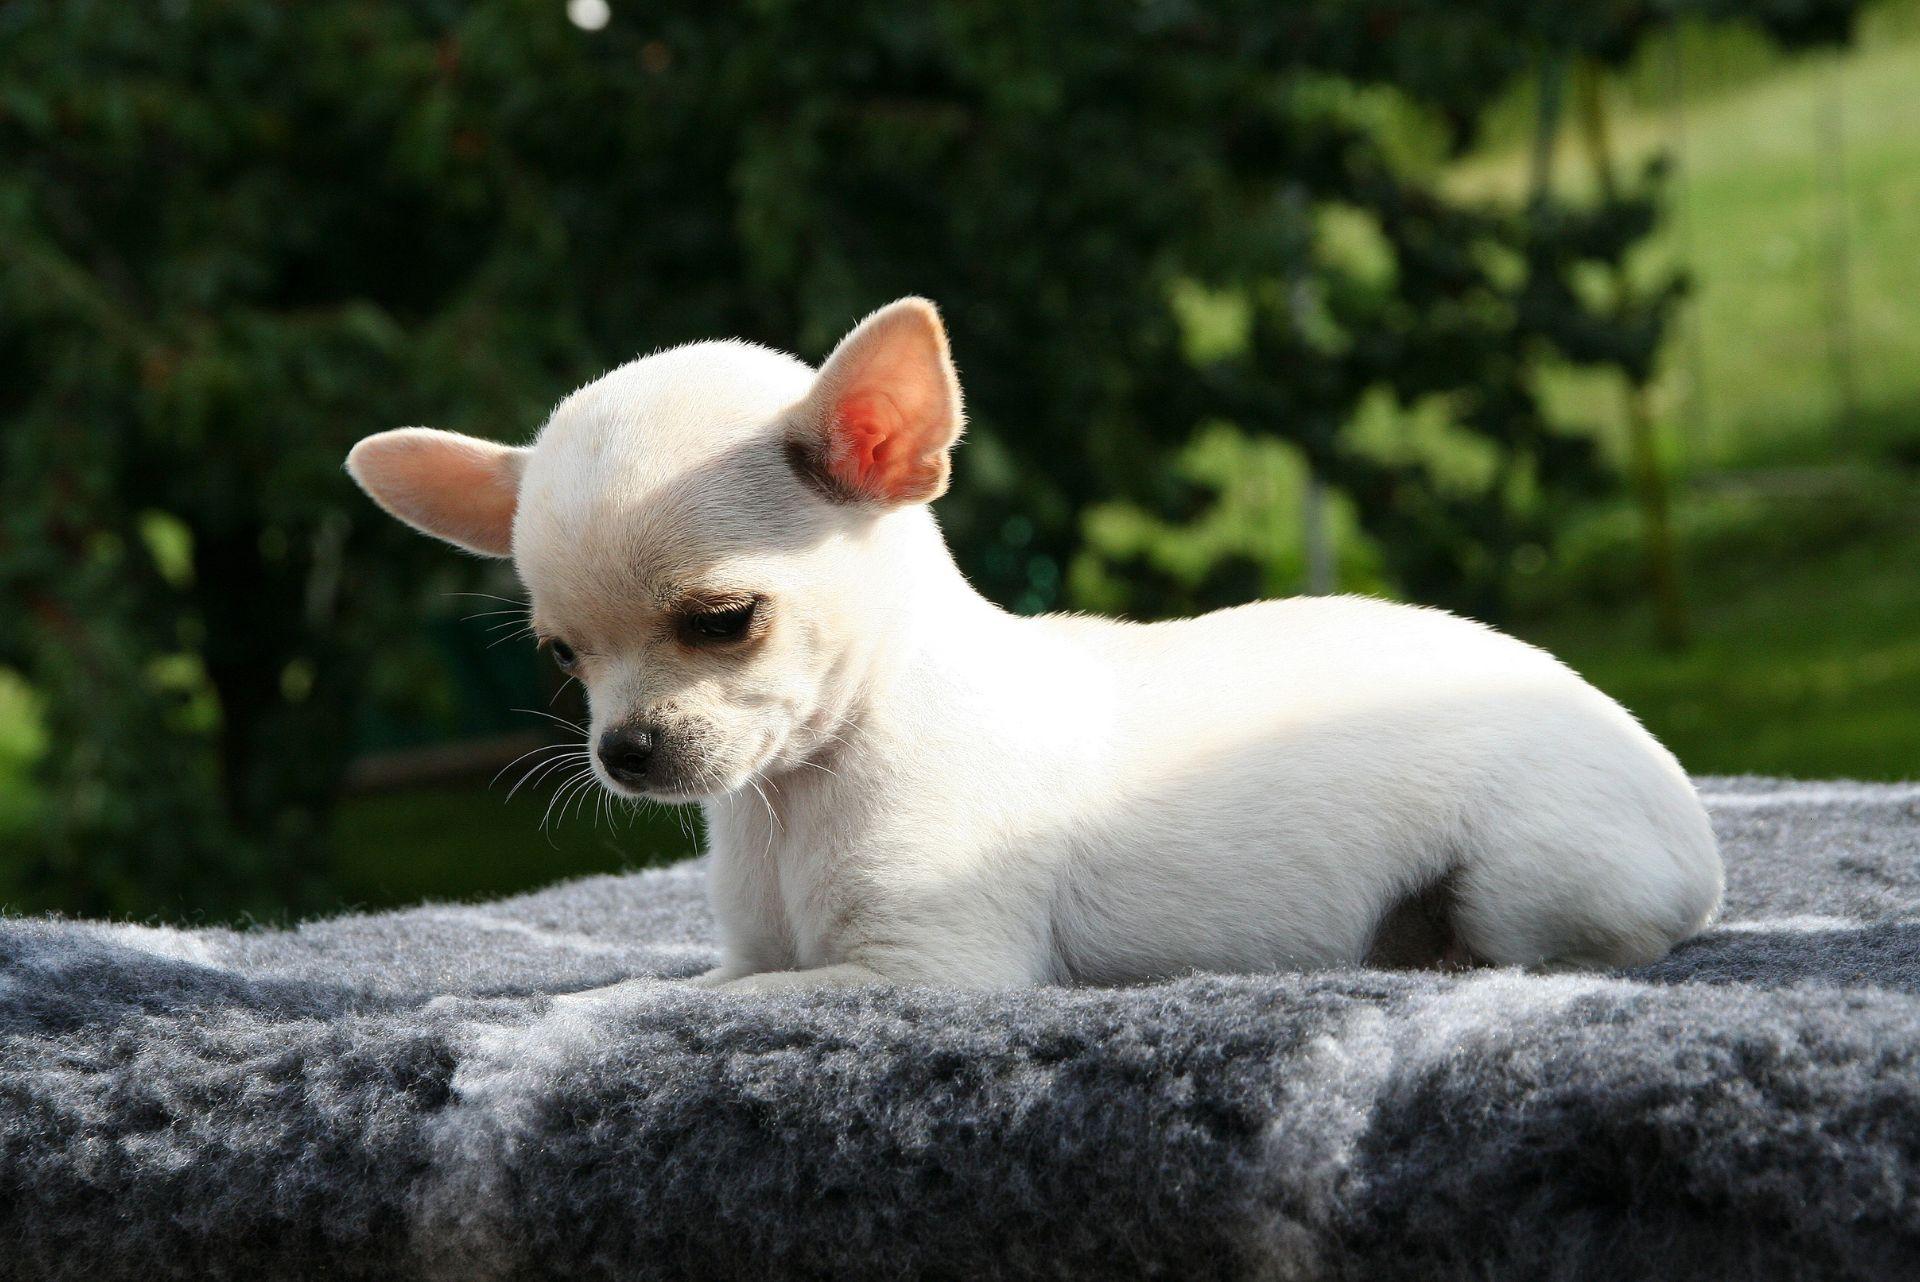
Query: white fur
{"x": 903, "y": 782}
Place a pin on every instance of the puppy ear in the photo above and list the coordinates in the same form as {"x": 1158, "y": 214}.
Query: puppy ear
{"x": 883, "y": 412}
{"x": 454, "y": 487}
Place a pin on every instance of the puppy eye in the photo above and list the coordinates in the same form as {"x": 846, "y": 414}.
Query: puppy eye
{"x": 721, "y": 625}
{"x": 563, "y": 654}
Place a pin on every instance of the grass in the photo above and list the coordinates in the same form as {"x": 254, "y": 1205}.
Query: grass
{"x": 469, "y": 841}
{"x": 1761, "y": 196}
{"x": 452, "y": 841}
{"x": 1802, "y": 663}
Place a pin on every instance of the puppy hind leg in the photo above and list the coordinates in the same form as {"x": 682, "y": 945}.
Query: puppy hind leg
{"x": 1564, "y": 913}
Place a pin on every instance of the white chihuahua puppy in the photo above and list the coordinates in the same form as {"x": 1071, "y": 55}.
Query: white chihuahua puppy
{"x": 905, "y": 783}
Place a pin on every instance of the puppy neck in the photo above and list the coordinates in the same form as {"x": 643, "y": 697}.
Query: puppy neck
{"x": 913, "y": 623}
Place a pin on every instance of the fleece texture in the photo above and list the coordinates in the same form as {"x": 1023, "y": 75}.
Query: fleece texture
{"x": 521, "y": 1090}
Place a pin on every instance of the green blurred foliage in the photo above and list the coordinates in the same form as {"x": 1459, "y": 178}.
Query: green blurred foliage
{"x": 234, "y": 237}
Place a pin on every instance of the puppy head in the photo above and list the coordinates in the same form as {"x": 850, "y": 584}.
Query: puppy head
{"x": 713, "y": 537}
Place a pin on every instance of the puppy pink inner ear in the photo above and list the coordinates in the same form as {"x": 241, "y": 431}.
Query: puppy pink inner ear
{"x": 886, "y": 409}
{"x": 454, "y": 487}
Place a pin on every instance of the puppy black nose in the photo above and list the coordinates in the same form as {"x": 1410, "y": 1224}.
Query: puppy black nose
{"x": 625, "y": 751}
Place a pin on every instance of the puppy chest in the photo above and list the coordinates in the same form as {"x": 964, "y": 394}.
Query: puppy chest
{"x": 816, "y": 907}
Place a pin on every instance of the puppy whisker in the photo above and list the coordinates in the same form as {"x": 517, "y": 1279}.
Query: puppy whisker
{"x": 545, "y": 747}
{"x": 526, "y": 630}
{"x": 773, "y": 817}
{"x": 814, "y": 765}
{"x": 506, "y": 600}
{"x": 565, "y": 792}
{"x": 540, "y": 770}
{"x": 555, "y": 718}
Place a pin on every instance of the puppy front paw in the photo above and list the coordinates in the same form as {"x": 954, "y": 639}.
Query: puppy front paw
{"x": 721, "y": 974}
{"x": 844, "y": 975}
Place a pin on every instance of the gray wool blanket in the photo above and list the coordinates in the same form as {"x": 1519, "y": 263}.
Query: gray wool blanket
{"x": 521, "y": 1090}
